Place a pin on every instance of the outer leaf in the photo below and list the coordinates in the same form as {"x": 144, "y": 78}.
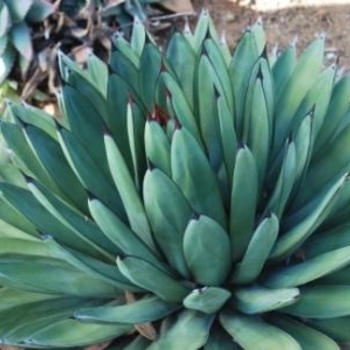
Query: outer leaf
{"x": 34, "y": 247}
{"x": 80, "y": 110}
{"x": 309, "y": 270}
{"x": 308, "y": 338}
{"x": 321, "y": 173}
{"x": 29, "y": 163}
{"x": 11, "y": 298}
{"x": 144, "y": 310}
{"x": 20, "y": 322}
{"x": 337, "y": 327}
{"x": 303, "y": 228}
{"x": 91, "y": 266}
{"x": 328, "y": 240}
{"x": 27, "y": 205}
{"x": 321, "y": 302}
{"x": 87, "y": 235}
{"x": 74, "y": 333}
{"x": 51, "y": 158}
{"x": 28, "y": 272}
{"x": 34, "y": 117}
{"x": 147, "y": 276}
{"x": 13, "y": 224}
{"x": 250, "y": 331}
{"x": 331, "y": 122}
{"x": 89, "y": 172}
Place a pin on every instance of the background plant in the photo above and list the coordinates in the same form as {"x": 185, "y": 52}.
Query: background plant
{"x": 37, "y": 29}
{"x": 185, "y": 200}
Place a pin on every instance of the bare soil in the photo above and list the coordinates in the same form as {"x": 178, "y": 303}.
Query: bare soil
{"x": 282, "y": 26}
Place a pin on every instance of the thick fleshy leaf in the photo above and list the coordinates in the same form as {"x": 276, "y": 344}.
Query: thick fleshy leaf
{"x": 89, "y": 172}
{"x": 250, "y": 331}
{"x": 321, "y": 302}
{"x": 188, "y": 331}
{"x": 244, "y": 198}
{"x": 256, "y": 299}
{"x": 71, "y": 332}
{"x": 308, "y": 338}
{"x": 169, "y": 213}
{"x": 20, "y": 322}
{"x": 309, "y": 270}
{"x": 128, "y": 243}
{"x": 193, "y": 174}
{"x": 207, "y": 251}
{"x": 144, "y": 310}
{"x": 27, "y": 272}
{"x": 128, "y": 192}
{"x": 149, "y": 277}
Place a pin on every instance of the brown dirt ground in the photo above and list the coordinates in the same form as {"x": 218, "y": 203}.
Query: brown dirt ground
{"x": 283, "y": 25}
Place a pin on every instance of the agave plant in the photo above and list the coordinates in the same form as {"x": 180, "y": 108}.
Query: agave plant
{"x": 15, "y": 36}
{"x": 186, "y": 200}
